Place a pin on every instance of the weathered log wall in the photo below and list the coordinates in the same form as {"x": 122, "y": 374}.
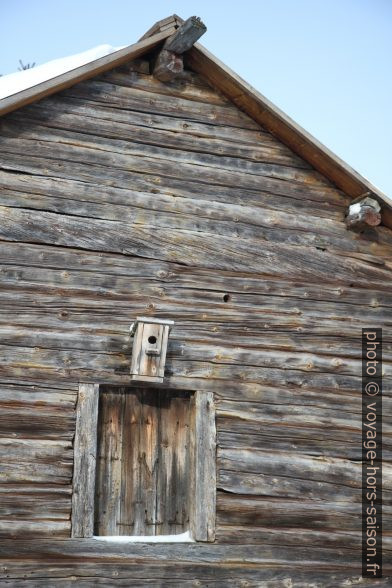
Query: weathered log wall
{"x": 121, "y": 197}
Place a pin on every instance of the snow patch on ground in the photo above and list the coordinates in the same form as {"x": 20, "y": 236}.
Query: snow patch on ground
{"x": 181, "y": 538}
{"x": 21, "y": 80}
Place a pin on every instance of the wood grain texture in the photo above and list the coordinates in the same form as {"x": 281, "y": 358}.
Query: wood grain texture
{"x": 282, "y": 126}
{"x": 85, "y": 448}
{"x": 125, "y": 196}
{"x": 83, "y": 72}
{"x": 90, "y": 561}
{"x": 204, "y": 480}
{"x": 144, "y": 462}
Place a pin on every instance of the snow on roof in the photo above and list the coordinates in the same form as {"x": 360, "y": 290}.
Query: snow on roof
{"x": 21, "y": 80}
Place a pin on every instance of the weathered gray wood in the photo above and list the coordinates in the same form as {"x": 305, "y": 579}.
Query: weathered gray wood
{"x": 144, "y": 462}
{"x": 362, "y": 213}
{"x": 174, "y": 491}
{"x": 85, "y": 447}
{"x": 75, "y": 147}
{"x": 168, "y": 66}
{"x": 204, "y": 481}
{"x": 93, "y": 272}
{"x": 149, "y": 348}
{"x": 123, "y": 97}
{"x": 146, "y": 467}
{"x": 171, "y": 21}
{"x": 134, "y": 196}
{"x": 200, "y": 249}
{"x": 188, "y": 85}
{"x": 267, "y": 115}
{"x": 110, "y": 428}
{"x": 186, "y": 35}
{"x": 48, "y": 87}
{"x": 285, "y": 514}
{"x": 132, "y": 515}
{"x": 169, "y": 63}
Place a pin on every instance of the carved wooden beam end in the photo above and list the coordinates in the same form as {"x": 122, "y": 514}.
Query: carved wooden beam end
{"x": 169, "y": 63}
{"x": 365, "y": 212}
{"x": 186, "y": 35}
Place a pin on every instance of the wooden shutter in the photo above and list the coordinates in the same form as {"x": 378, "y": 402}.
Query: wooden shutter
{"x": 144, "y": 461}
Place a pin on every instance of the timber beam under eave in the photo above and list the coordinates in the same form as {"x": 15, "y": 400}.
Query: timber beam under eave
{"x": 363, "y": 212}
{"x": 169, "y": 63}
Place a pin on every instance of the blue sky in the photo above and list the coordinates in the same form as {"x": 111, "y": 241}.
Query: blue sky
{"x": 326, "y": 63}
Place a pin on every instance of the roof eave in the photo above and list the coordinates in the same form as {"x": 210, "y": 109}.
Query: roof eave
{"x": 83, "y": 72}
{"x": 283, "y": 127}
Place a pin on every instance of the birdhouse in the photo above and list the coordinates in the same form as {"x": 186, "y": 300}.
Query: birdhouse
{"x": 150, "y": 338}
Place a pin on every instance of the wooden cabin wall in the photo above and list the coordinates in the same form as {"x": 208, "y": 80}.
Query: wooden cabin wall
{"x": 123, "y": 196}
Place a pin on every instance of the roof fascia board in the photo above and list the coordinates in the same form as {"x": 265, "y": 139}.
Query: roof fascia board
{"x": 162, "y": 25}
{"x": 283, "y": 127}
{"x": 82, "y": 72}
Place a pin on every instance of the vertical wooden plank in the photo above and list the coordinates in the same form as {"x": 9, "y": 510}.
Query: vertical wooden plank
{"x": 145, "y": 515}
{"x": 108, "y": 487}
{"x": 173, "y": 483}
{"x": 130, "y": 496}
{"x": 145, "y": 482}
{"x": 204, "y": 469}
{"x": 85, "y": 447}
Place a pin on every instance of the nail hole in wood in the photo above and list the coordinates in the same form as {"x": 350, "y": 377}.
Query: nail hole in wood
{"x": 226, "y": 297}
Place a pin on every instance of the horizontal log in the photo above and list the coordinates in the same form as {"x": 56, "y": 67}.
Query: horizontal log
{"x": 196, "y": 248}
{"x": 34, "y": 503}
{"x": 188, "y": 85}
{"x": 342, "y": 415}
{"x": 114, "y": 271}
{"x": 105, "y": 339}
{"x": 220, "y": 565}
{"x": 108, "y": 365}
{"x": 39, "y": 451}
{"x": 157, "y": 183}
{"x": 90, "y": 551}
{"x": 202, "y": 317}
{"x": 292, "y": 475}
{"x": 31, "y": 529}
{"x": 114, "y": 368}
{"x": 173, "y": 163}
{"x": 127, "y": 98}
{"x": 257, "y": 159}
{"x": 175, "y": 220}
{"x": 306, "y": 440}
{"x": 34, "y": 422}
{"x": 169, "y": 213}
{"x": 35, "y": 460}
{"x": 82, "y": 199}
{"x": 139, "y": 575}
{"x": 23, "y": 471}
{"x": 65, "y": 327}
{"x": 250, "y": 534}
{"x": 52, "y": 107}
{"x": 260, "y": 150}
{"x": 295, "y": 514}
{"x": 17, "y": 395}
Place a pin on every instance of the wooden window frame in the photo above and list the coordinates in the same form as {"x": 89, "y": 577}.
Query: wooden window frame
{"x": 203, "y": 472}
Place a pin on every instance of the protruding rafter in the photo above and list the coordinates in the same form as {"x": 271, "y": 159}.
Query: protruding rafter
{"x": 169, "y": 63}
